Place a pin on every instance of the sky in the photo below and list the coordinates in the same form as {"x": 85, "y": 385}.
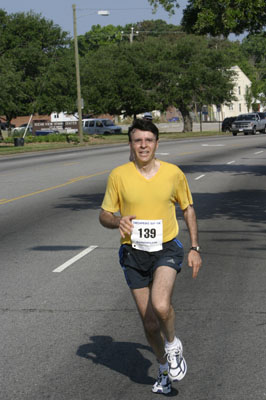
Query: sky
{"x": 122, "y": 12}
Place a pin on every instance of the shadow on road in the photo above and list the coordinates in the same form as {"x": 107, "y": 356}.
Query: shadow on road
{"x": 83, "y": 201}
{"x": 122, "y": 357}
{"x": 243, "y": 205}
{"x": 58, "y": 248}
{"x": 198, "y": 167}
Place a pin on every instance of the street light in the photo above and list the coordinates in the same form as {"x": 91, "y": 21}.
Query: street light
{"x": 79, "y": 100}
{"x": 103, "y": 13}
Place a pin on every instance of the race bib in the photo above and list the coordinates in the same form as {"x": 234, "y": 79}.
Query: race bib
{"x": 147, "y": 235}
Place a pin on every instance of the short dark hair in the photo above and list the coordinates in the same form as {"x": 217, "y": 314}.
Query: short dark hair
{"x": 143, "y": 125}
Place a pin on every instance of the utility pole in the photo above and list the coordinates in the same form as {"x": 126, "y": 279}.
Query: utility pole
{"x": 80, "y": 129}
{"x": 132, "y": 34}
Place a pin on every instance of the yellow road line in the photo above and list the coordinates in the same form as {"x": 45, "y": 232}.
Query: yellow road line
{"x": 80, "y": 178}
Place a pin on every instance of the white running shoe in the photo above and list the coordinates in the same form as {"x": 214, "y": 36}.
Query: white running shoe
{"x": 163, "y": 384}
{"x": 177, "y": 363}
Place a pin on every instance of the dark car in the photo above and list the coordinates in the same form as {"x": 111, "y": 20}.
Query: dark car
{"x": 226, "y": 124}
{"x": 4, "y": 126}
{"x": 262, "y": 115}
{"x": 48, "y": 131}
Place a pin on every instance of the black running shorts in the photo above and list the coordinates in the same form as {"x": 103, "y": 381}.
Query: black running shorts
{"x": 139, "y": 266}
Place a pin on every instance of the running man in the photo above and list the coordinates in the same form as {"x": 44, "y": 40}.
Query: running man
{"x": 144, "y": 192}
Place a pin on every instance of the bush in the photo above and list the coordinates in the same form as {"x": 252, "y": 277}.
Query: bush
{"x": 72, "y": 139}
{"x": 52, "y": 137}
{"x": 8, "y": 140}
{"x": 17, "y": 134}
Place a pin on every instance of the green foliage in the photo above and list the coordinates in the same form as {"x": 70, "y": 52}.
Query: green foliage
{"x": 30, "y": 46}
{"x": 224, "y": 17}
{"x": 46, "y": 138}
{"x": 112, "y": 81}
{"x": 151, "y": 28}
{"x": 191, "y": 71}
{"x": 168, "y": 5}
{"x": 155, "y": 74}
{"x": 97, "y": 37}
{"x": 253, "y": 48}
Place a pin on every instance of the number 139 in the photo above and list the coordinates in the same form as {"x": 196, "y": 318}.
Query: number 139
{"x": 147, "y": 233}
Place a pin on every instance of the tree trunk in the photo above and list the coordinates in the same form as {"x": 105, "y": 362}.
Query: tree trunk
{"x": 187, "y": 120}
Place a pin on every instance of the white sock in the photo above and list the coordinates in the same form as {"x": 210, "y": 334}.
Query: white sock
{"x": 174, "y": 343}
{"x": 163, "y": 367}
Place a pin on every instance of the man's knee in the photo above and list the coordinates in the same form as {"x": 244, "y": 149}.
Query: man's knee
{"x": 163, "y": 310}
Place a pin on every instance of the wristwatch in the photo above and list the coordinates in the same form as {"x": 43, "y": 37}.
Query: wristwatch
{"x": 196, "y": 248}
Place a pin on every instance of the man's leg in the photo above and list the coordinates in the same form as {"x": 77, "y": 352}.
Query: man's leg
{"x": 161, "y": 293}
{"x": 150, "y": 322}
{"x": 154, "y": 336}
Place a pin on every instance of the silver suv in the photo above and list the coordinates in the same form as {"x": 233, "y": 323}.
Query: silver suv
{"x": 249, "y": 123}
{"x": 100, "y": 126}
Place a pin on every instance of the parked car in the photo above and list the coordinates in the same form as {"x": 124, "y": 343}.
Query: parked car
{"x": 147, "y": 116}
{"x": 21, "y": 128}
{"x": 100, "y": 126}
{"x": 262, "y": 115}
{"x": 4, "y": 126}
{"x": 249, "y": 123}
{"x": 227, "y": 123}
{"x": 44, "y": 132}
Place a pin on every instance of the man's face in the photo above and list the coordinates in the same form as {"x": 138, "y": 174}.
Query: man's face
{"x": 143, "y": 145}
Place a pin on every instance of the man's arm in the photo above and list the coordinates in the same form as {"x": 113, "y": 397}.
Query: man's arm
{"x": 194, "y": 258}
{"x": 111, "y": 221}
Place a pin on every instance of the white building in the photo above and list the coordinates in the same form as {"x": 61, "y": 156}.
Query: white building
{"x": 239, "y": 106}
{"x": 63, "y": 117}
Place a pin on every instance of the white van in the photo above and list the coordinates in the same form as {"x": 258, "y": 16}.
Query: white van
{"x": 100, "y": 126}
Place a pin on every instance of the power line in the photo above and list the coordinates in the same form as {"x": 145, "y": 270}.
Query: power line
{"x": 115, "y": 9}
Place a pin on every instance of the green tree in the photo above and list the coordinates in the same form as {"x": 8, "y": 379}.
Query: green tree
{"x": 57, "y": 84}
{"x": 155, "y": 74}
{"x": 168, "y": 5}
{"x": 152, "y": 28}
{"x": 253, "y": 48}
{"x": 99, "y": 36}
{"x": 29, "y": 46}
{"x": 111, "y": 82}
{"x": 193, "y": 72}
{"x": 10, "y": 104}
{"x": 224, "y": 17}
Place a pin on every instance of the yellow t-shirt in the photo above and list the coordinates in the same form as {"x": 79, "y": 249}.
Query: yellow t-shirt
{"x": 131, "y": 193}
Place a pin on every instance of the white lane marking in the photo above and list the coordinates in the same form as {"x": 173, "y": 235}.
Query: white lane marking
{"x": 199, "y": 177}
{"x": 74, "y": 259}
{"x": 231, "y": 162}
{"x": 213, "y": 145}
{"x": 259, "y": 152}
{"x": 162, "y": 154}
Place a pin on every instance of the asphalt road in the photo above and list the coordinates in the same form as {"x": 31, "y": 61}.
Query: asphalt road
{"x": 68, "y": 326}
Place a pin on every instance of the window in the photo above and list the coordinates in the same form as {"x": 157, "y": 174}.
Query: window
{"x": 239, "y": 89}
{"x": 239, "y": 107}
{"x": 91, "y": 124}
{"x": 99, "y": 124}
{"x": 231, "y": 106}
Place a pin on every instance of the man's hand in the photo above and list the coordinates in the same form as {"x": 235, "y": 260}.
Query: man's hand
{"x": 125, "y": 225}
{"x": 194, "y": 262}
